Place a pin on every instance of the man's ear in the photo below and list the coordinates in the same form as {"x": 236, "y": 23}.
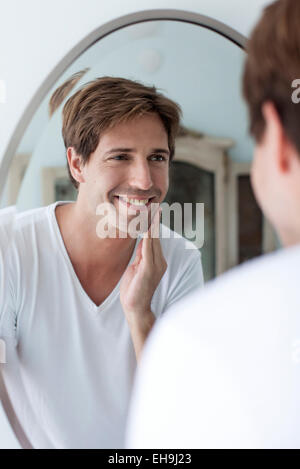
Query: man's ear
{"x": 75, "y": 165}
{"x": 280, "y": 147}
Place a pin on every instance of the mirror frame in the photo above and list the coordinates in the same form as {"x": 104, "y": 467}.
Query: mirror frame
{"x": 96, "y": 35}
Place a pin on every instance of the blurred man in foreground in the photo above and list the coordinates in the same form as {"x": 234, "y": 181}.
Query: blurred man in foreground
{"x": 223, "y": 370}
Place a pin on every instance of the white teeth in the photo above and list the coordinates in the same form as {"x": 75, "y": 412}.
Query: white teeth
{"x": 135, "y": 201}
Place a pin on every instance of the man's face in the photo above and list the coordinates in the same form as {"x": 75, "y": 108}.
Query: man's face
{"x": 129, "y": 168}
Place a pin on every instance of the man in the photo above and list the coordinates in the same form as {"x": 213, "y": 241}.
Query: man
{"x": 82, "y": 304}
{"x": 222, "y": 371}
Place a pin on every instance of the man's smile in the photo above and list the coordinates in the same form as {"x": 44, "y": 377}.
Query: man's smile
{"x": 139, "y": 202}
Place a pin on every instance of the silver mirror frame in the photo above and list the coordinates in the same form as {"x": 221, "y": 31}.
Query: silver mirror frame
{"x": 99, "y": 33}
{"x": 11, "y": 415}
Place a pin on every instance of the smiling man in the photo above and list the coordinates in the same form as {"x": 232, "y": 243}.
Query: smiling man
{"x": 81, "y": 305}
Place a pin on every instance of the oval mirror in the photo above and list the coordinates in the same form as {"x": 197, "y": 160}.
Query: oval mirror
{"x": 198, "y": 63}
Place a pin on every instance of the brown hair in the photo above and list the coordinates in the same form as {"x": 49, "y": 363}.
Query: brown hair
{"x": 272, "y": 64}
{"x": 108, "y": 101}
{"x": 63, "y": 90}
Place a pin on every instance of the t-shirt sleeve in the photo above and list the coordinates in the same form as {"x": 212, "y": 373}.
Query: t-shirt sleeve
{"x": 186, "y": 274}
{"x": 7, "y": 294}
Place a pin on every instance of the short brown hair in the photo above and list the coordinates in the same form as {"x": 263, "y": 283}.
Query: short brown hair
{"x": 272, "y": 64}
{"x": 107, "y": 101}
{"x": 63, "y": 90}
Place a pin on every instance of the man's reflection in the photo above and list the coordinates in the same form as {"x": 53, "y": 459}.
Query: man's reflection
{"x": 82, "y": 305}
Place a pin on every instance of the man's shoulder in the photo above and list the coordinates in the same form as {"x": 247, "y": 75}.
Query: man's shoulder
{"x": 265, "y": 273}
{"x": 259, "y": 290}
{"x": 31, "y": 217}
{"x": 7, "y": 219}
{"x": 19, "y": 227}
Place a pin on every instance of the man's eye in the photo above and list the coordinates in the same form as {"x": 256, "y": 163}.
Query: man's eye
{"x": 120, "y": 157}
{"x": 158, "y": 158}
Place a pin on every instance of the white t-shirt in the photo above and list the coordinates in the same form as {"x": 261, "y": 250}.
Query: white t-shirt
{"x": 222, "y": 370}
{"x": 76, "y": 359}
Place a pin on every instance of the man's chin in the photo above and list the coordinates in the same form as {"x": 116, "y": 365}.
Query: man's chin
{"x": 134, "y": 225}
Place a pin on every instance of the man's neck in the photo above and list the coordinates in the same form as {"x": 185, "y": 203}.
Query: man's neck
{"x": 290, "y": 237}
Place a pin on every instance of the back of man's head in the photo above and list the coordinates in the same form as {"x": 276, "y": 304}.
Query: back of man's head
{"x": 271, "y": 70}
{"x": 272, "y": 64}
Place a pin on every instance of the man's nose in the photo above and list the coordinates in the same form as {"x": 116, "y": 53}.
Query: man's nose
{"x": 141, "y": 176}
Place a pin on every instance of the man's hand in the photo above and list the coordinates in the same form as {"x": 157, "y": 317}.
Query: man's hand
{"x": 139, "y": 283}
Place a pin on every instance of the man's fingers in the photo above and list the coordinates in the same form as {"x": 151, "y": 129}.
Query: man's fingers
{"x": 150, "y": 237}
{"x": 138, "y": 254}
{"x": 155, "y": 224}
{"x": 158, "y": 256}
{"x": 157, "y": 251}
{"x": 147, "y": 252}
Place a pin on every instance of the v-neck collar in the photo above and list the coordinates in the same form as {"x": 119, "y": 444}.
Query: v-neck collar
{"x": 115, "y": 292}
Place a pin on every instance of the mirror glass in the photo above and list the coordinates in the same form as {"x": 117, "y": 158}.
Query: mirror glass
{"x": 200, "y": 70}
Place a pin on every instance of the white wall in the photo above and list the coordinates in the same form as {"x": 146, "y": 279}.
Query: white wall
{"x": 35, "y": 35}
